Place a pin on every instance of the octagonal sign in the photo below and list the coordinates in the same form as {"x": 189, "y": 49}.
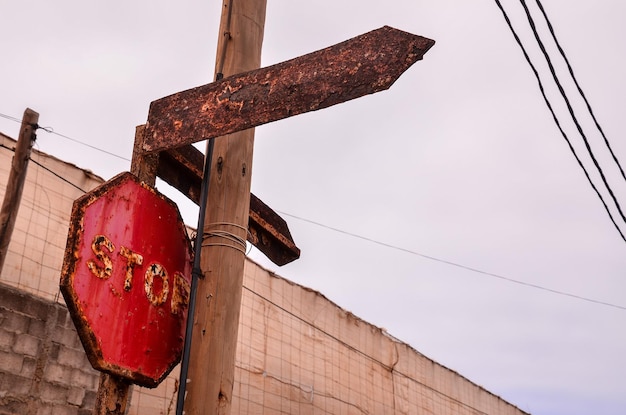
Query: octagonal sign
{"x": 126, "y": 279}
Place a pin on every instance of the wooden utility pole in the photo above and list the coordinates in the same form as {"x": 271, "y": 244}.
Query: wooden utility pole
{"x": 216, "y": 319}
{"x": 17, "y": 177}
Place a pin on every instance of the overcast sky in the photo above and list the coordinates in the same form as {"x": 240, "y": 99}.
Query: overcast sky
{"x": 459, "y": 161}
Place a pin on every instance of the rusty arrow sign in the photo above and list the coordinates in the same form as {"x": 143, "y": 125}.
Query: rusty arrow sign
{"x": 360, "y": 66}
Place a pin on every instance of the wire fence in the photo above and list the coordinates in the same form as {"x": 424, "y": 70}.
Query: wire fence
{"x": 35, "y": 253}
{"x": 297, "y": 351}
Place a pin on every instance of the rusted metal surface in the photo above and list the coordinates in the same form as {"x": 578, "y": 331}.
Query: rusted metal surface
{"x": 270, "y": 234}
{"x": 125, "y": 279}
{"x": 182, "y": 168}
{"x": 143, "y": 165}
{"x": 113, "y": 396}
{"x": 363, "y": 65}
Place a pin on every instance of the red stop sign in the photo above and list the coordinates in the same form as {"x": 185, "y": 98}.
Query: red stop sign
{"x": 126, "y": 279}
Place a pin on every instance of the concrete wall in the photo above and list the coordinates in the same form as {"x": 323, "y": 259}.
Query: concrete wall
{"x": 43, "y": 368}
{"x": 297, "y": 353}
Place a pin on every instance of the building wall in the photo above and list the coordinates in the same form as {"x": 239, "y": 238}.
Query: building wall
{"x": 297, "y": 352}
{"x": 37, "y": 245}
{"x": 43, "y": 367}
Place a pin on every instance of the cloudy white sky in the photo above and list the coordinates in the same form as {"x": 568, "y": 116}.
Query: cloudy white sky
{"x": 459, "y": 161}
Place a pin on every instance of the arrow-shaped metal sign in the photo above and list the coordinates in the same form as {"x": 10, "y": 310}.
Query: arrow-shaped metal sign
{"x": 360, "y": 66}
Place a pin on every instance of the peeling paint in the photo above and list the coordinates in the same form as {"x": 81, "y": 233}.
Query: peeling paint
{"x": 156, "y": 271}
{"x": 101, "y": 271}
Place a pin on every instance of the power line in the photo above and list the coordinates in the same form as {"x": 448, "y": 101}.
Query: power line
{"x": 580, "y": 91}
{"x": 555, "y": 118}
{"x": 50, "y": 130}
{"x": 8, "y": 117}
{"x": 557, "y": 81}
{"x": 57, "y": 175}
{"x": 432, "y": 258}
{"x": 455, "y": 264}
{"x": 47, "y": 169}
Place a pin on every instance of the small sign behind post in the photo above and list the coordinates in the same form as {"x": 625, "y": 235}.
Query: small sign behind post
{"x": 126, "y": 279}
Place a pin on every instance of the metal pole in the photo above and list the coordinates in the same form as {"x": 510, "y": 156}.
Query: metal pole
{"x": 196, "y": 274}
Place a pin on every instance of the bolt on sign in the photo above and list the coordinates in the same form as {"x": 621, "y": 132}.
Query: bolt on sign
{"x": 126, "y": 279}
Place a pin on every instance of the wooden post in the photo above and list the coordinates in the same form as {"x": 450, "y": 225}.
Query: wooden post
{"x": 216, "y": 319}
{"x": 113, "y": 396}
{"x": 17, "y": 177}
{"x": 143, "y": 165}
